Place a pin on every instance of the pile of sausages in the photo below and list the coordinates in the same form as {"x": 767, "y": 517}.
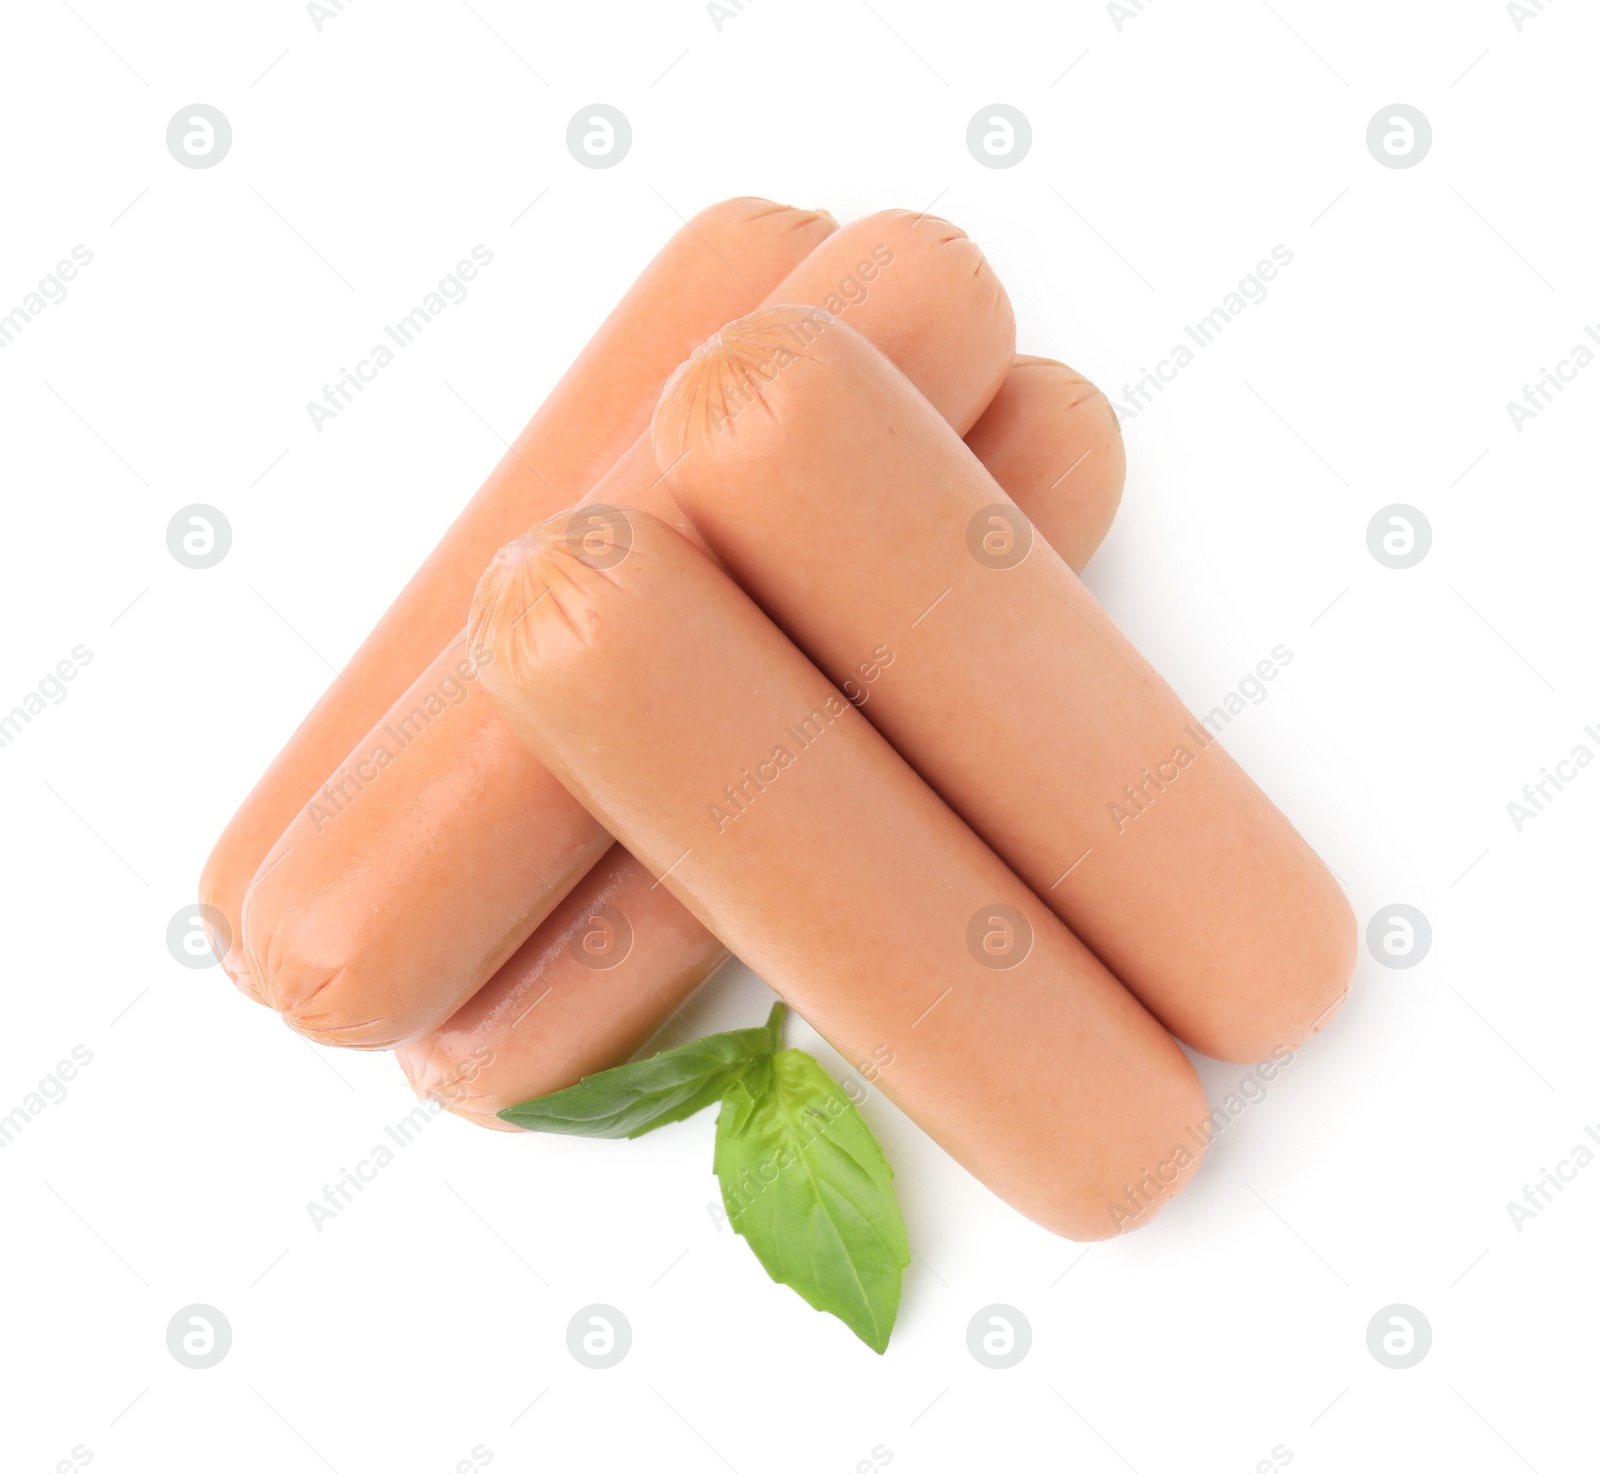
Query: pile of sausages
{"x": 794, "y": 663}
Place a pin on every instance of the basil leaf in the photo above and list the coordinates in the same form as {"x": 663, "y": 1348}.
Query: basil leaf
{"x": 775, "y": 1018}
{"x": 806, "y": 1184}
{"x": 743, "y": 1094}
{"x": 638, "y": 1097}
{"x": 753, "y": 1083}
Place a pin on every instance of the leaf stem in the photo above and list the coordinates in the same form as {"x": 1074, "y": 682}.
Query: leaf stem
{"x": 775, "y": 1019}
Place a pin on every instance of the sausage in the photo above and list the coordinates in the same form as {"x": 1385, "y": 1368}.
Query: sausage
{"x": 414, "y": 872}
{"x": 1070, "y": 499}
{"x": 878, "y": 273}
{"x": 871, "y": 534}
{"x": 720, "y": 264}
{"x": 787, "y": 824}
{"x": 602, "y": 974}
{"x": 567, "y": 1005}
{"x": 374, "y": 926}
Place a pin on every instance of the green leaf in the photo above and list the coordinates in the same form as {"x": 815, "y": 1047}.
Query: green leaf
{"x": 638, "y": 1097}
{"x": 741, "y": 1097}
{"x": 806, "y": 1184}
{"x": 780, "y": 1011}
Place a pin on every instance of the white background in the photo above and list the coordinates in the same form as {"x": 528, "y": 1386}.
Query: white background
{"x": 1169, "y": 156}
